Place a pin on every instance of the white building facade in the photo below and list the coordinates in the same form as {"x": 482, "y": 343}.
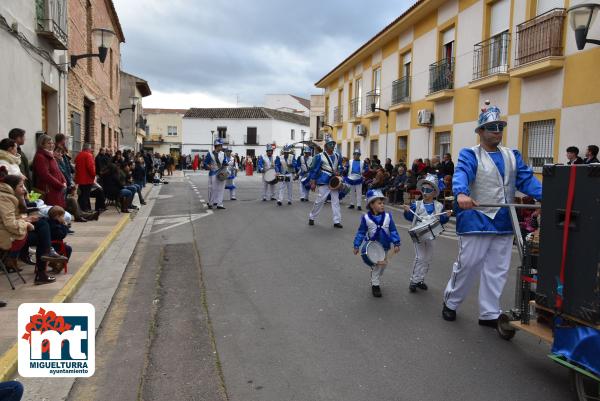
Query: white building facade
{"x": 288, "y": 103}
{"x": 246, "y": 130}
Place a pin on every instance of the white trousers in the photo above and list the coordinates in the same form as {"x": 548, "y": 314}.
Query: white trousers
{"x": 268, "y": 190}
{"x": 486, "y": 256}
{"x": 303, "y": 191}
{"x": 232, "y": 194}
{"x": 282, "y": 187}
{"x": 376, "y": 273}
{"x": 216, "y": 190}
{"x": 423, "y": 255}
{"x": 355, "y": 194}
{"x": 320, "y": 201}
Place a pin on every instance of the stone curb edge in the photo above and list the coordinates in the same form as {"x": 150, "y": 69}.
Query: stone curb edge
{"x": 8, "y": 361}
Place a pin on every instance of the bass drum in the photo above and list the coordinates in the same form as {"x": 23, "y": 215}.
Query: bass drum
{"x": 335, "y": 182}
{"x": 372, "y": 252}
{"x": 270, "y": 176}
{"x": 223, "y": 173}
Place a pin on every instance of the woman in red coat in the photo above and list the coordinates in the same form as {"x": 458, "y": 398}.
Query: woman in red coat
{"x": 47, "y": 176}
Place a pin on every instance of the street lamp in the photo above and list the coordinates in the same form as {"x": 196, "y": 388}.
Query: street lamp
{"x": 387, "y": 117}
{"x": 133, "y": 100}
{"x": 581, "y": 17}
{"x": 102, "y": 38}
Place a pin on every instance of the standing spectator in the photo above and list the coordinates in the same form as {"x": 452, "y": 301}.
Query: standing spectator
{"x": 102, "y": 160}
{"x": 9, "y": 158}
{"x": 573, "y": 155}
{"x": 417, "y": 167}
{"x": 389, "y": 167}
{"x": 139, "y": 172}
{"x": 64, "y": 164}
{"x": 85, "y": 175}
{"x": 436, "y": 167}
{"x": 18, "y": 135}
{"x": 149, "y": 166}
{"x": 427, "y": 169}
{"x": 375, "y": 163}
{"x": 48, "y": 178}
{"x": 591, "y": 155}
{"x": 447, "y": 165}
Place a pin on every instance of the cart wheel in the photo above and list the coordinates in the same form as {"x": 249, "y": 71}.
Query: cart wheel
{"x": 504, "y": 329}
{"x": 586, "y": 388}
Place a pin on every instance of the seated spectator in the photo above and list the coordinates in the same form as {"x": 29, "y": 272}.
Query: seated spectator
{"x": 58, "y": 232}
{"x": 48, "y": 180}
{"x": 573, "y": 155}
{"x": 389, "y": 167}
{"x": 380, "y": 179}
{"x": 591, "y": 155}
{"x": 30, "y": 231}
{"x": 396, "y": 189}
{"x": 411, "y": 180}
{"x": 125, "y": 175}
{"x": 9, "y": 157}
{"x": 113, "y": 188}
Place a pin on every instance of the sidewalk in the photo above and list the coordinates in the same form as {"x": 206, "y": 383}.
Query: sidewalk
{"x": 90, "y": 241}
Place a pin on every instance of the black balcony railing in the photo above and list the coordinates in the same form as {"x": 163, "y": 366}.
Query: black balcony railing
{"x": 401, "y": 90}
{"x": 372, "y": 98}
{"x": 355, "y": 105}
{"x": 540, "y": 37}
{"x": 337, "y": 115}
{"x": 52, "y": 22}
{"x": 441, "y": 75}
{"x": 491, "y": 56}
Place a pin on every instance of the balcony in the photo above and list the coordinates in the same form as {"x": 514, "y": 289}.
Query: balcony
{"x": 251, "y": 139}
{"x": 52, "y": 22}
{"x": 490, "y": 62}
{"x": 441, "y": 80}
{"x": 400, "y": 94}
{"x": 373, "y": 97}
{"x": 539, "y": 44}
{"x": 355, "y": 106}
{"x": 337, "y": 116}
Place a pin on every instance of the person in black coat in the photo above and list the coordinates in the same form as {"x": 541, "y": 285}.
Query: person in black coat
{"x": 447, "y": 165}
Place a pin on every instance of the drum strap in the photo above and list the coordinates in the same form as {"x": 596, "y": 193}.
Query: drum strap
{"x": 216, "y": 156}
{"x": 565, "y": 243}
{"x": 332, "y": 164}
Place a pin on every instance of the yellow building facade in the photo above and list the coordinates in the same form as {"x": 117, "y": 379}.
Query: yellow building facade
{"x": 434, "y": 66}
{"x": 164, "y": 130}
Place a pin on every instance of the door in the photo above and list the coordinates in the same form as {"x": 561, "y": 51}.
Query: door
{"x": 251, "y": 136}
{"x": 374, "y": 148}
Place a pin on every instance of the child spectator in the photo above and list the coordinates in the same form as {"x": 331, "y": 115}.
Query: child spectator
{"x": 58, "y": 232}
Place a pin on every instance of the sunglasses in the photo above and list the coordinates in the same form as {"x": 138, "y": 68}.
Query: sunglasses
{"x": 494, "y": 127}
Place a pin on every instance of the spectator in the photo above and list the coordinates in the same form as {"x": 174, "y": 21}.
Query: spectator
{"x": 64, "y": 164}
{"x": 139, "y": 172}
{"x": 417, "y": 167}
{"x": 591, "y": 155}
{"x": 126, "y": 179}
{"x": 375, "y": 163}
{"x": 436, "y": 167}
{"x": 380, "y": 179}
{"x": 427, "y": 169}
{"x": 58, "y": 232}
{"x": 11, "y": 390}
{"x": 113, "y": 188}
{"x": 18, "y": 135}
{"x": 411, "y": 180}
{"x": 573, "y": 155}
{"x": 48, "y": 178}
{"x": 396, "y": 190}
{"x": 389, "y": 167}
{"x": 85, "y": 176}
{"x": 102, "y": 159}
{"x": 9, "y": 157}
{"x": 447, "y": 165}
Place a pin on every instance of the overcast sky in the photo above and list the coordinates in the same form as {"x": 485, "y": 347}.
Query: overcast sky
{"x": 199, "y": 53}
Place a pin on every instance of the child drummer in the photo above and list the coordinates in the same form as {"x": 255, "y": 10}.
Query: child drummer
{"x": 377, "y": 225}
{"x": 428, "y": 210}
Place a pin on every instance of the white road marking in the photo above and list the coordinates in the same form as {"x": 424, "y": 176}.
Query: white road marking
{"x": 173, "y": 221}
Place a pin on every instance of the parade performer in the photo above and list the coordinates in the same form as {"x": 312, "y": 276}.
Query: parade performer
{"x": 486, "y": 173}
{"x": 326, "y": 165}
{"x": 285, "y": 167}
{"x": 426, "y": 210}
{"x": 303, "y": 164}
{"x": 377, "y": 225}
{"x": 353, "y": 172}
{"x": 263, "y": 164}
{"x": 230, "y": 183}
{"x": 213, "y": 162}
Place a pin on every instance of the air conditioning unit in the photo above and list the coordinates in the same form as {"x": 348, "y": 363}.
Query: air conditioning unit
{"x": 425, "y": 117}
{"x": 361, "y": 130}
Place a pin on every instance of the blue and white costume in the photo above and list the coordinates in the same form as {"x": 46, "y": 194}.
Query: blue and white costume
{"x": 426, "y": 212}
{"x": 303, "y": 164}
{"x": 285, "y": 166}
{"x": 380, "y": 228}
{"x": 230, "y": 183}
{"x": 264, "y": 163}
{"x": 213, "y": 162}
{"x": 486, "y": 234}
{"x": 354, "y": 170}
{"x": 323, "y": 168}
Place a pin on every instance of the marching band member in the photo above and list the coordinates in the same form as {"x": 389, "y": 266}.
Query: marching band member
{"x": 377, "y": 225}
{"x": 213, "y": 162}
{"x": 302, "y": 167}
{"x": 230, "y": 184}
{"x": 354, "y": 170}
{"x": 285, "y": 166}
{"x": 263, "y": 164}
{"x": 426, "y": 209}
{"x": 325, "y": 165}
{"x": 486, "y": 173}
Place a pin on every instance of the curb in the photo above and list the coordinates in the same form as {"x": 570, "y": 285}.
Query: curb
{"x": 9, "y": 360}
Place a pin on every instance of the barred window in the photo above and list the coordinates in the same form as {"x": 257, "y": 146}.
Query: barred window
{"x": 538, "y": 139}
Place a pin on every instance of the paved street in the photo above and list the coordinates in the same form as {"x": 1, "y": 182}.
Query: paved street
{"x": 292, "y": 316}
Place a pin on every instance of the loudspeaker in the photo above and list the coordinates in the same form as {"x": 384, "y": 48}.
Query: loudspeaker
{"x": 581, "y": 287}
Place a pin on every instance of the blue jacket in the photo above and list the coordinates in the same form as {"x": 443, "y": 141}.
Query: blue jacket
{"x": 261, "y": 164}
{"x": 474, "y": 222}
{"x": 209, "y": 159}
{"x": 353, "y": 167}
{"x": 381, "y": 237}
{"x": 317, "y": 173}
{"x": 430, "y": 208}
{"x": 279, "y": 165}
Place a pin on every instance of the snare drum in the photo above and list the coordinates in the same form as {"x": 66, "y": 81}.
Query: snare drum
{"x": 270, "y": 176}
{"x": 335, "y": 182}
{"x": 426, "y": 230}
{"x": 372, "y": 252}
{"x": 305, "y": 182}
{"x": 223, "y": 173}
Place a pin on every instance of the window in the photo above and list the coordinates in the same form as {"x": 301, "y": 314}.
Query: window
{"x": 222, "y": 132}
{"x": 76, "y": 131}
{"x": 293, "y": 135}
{"x": 442, "y": 143}
{"x": 172, "y": 130}
{"x": 374, "y": 148}
{"x": 251, "y": 136}
{"x": 538, "y": 142}
{"x": 357, "y": 102}
{"x": 448, "y": 43}
{"x": 543, "y": 6}
{"x": 102, "y": 135}
{"x": 377, "y": 80}
{"x": 110, "y": 70}
{"x": 110, "y": 135}
{"x": 147, "y": 129}
{"x": 402, "y": 148}
{"x": 88, "y": 28}
{"x": 406, "y": 62}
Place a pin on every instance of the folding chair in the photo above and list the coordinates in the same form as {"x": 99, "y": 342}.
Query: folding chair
{"x": 3, "y": 255}
{"x": 62, "y": 250}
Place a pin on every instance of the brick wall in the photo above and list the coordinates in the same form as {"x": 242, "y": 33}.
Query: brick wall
{"x": 91, "y": 79}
